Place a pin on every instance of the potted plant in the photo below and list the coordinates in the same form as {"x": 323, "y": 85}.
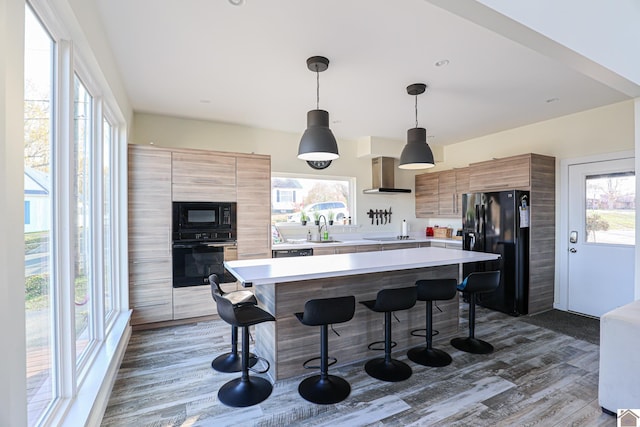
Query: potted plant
{"x": 331, "y": 215}
{"x": 316, "y": 217}
{"x": 303, "y": 217}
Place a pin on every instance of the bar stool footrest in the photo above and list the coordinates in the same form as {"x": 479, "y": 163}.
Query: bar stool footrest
{"x": 370, "y": 346}
{"x": 231, "y": 362}
{"x": 260, "y": 371}
{"x": 305, "y": 365}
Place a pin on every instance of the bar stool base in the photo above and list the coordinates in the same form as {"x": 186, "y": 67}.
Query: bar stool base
{"x": 472, "y": 345}
{"x": 429, "y": 356}
{"x": 391, "y": 371}
{"x": 231, "y": 362}
{"x": 240, "y": 393}
{"x": 324, "y": 391}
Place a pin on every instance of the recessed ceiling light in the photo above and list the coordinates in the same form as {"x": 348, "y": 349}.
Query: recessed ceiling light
{"x": 205, "y": 101}
{"x": 442, "y": 63}
{"x": 236, "y": 2}
{"x": 152, "y": 143}
{"x": 550, "y": 100}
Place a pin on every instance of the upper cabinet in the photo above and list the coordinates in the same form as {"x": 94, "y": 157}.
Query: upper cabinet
{"x": 438, "y": 194}
{"x": 501, "y": 174}
{"x": 203, "y": 176}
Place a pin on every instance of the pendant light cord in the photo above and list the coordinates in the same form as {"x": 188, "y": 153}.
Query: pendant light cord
{"x": 317, "y": 88}
{"x": 416, "y": 110}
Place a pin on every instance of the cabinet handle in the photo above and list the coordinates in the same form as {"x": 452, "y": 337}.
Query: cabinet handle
{"x": 148, "y": 282}
{"x": 149, "y": 304}
{"x": 149, "y": 261}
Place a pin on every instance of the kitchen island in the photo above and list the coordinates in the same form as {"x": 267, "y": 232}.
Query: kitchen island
{"x": 283, "y": 285}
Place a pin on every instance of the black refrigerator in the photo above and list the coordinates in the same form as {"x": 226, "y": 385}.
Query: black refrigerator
{"x": 498, "y": 222}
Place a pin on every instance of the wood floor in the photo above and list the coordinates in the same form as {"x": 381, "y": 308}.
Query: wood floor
{"x": 534, "y": 377}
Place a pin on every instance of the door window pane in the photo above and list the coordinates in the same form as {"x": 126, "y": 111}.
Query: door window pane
{"x": 38, "y": 202}
{"x": 82, "y": 114}
{"x": 611, "y": 208}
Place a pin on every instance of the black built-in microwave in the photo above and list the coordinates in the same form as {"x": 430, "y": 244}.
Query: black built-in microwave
{"x": 204, "y": 221}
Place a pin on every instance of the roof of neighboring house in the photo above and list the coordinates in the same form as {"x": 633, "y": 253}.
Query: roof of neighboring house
{"x": 288, "y": 183}
{"x": 36, "y": 182}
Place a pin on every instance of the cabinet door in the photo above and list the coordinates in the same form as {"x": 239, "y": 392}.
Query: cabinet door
{"x": 346, "y": 249}
{"x": 150, "y": 290}
{"x": 502, "y": 174}
{"x": 149, "y": 206}
{"x": 393, "y": 246}
{"x": 368, "y": 248}
{"x": 324, "y": 250}
{"x": 426, "y": 195}
{"x": 254, "y": 207}
{"x": 203, "y": 177}
{"x": 447, "y": 192}
{"x": 462, "y": 187}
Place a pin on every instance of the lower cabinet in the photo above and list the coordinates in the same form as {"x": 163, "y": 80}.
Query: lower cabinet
{"x": 196, "y": 301}
{"x": 150, "y": 290}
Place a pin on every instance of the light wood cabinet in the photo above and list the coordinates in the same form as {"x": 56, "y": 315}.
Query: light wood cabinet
{"x": 439, "y": 194}
{"x": 426, "y": 195}
{"x": 329, "y": 250}
{"x": 197, "y": 301}
{"x": 511, "y": 173}
{"x": 393, "y": 246}
{"x": 149, "y": 211}
{"x": 368, "y": 248}
{"x": 254, "y": 207}
{"x": 203, "y": 176}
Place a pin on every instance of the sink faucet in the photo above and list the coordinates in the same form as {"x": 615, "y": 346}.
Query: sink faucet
{"x": 320, "y": 218}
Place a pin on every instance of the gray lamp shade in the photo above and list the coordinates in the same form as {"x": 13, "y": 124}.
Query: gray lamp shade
{"x": 318, "y": 142}
{"x": 417, "y": 153}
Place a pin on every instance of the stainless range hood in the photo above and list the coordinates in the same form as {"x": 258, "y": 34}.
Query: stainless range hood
{"x": 383, "y": 171}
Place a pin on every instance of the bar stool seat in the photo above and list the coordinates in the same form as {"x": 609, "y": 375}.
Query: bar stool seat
{"x": 246, "y": 390}
{"x": 325, "y": 388}
{"x": 429, "y": 291}
{"x": 387, "y": 301}
{"x": 475, "y": 283}
{"x": 231, "y": 361}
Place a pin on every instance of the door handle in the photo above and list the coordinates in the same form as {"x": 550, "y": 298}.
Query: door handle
{"x": 573, "y": 250}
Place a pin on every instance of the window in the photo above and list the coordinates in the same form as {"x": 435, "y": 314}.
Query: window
{"x": 315, "y": 196}
{"x": 38, "y": 117}
{"x": 70, "y": 230}
{"x": 611, "y": 208}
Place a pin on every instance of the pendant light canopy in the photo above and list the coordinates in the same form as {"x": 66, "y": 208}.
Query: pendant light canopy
{"x": 416, "y": 154}
{"x": 318, "y": 142}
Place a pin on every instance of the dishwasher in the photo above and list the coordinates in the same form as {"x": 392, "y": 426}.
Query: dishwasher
{"x": 285, "y": 253}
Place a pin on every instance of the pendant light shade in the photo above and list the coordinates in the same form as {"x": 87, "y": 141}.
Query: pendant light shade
{"x": 317, "y": 142}
{"x": 416, "y": 154}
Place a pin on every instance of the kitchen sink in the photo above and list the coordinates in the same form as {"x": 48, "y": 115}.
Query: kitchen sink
{"x": 325, "y": 241}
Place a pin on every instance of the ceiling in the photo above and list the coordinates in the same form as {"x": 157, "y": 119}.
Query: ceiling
{"x": 209, "y": 59}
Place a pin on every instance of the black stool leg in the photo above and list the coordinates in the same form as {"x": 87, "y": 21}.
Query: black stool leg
{"x": 429, "y": 356}
{"x": 471, "y": 344}
{"x": 232, "y": 362}
{"x": 385, "y": 368}
{"x": 324, "y": 388}
{"x": 246, "y": 390}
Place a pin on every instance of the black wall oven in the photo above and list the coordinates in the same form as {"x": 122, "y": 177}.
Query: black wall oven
{"x": 201, "y": 231}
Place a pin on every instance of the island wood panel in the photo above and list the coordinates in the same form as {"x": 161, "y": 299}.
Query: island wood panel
{"x": 286, "y": 343}
{"x": 203, "y": 176}
{"x": 254, "y": 207}
{"x": 500, "y": 174}
{"x": 542, "y": 236}
{"x": 447, "y": 192}
{"x": 426, "y": 199}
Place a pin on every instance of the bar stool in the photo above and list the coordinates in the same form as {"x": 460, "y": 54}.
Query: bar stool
{"x": 325, "y": 388}
{"x": 429, "y": 291}
{"x": 387, "y": 301}
{"x": 246, "y": 390}
{"x": 231, "y": 362}
{"x": 476, "y": 283}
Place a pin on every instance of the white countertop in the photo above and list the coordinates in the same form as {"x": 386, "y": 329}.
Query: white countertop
{"x": 279, "y": 270}
{"x": 356, "y": 242}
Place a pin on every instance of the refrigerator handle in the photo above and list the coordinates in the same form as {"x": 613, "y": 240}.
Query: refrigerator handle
{"x": 477, "y": 219}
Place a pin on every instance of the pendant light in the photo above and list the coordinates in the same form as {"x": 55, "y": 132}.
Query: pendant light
{"x": 417, "y": 153}
{"x": 318, "y": 143}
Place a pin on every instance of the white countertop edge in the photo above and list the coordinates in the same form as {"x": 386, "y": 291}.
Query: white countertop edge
{"x": 282, "y": 270}
{"x": 358, "y": 242}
